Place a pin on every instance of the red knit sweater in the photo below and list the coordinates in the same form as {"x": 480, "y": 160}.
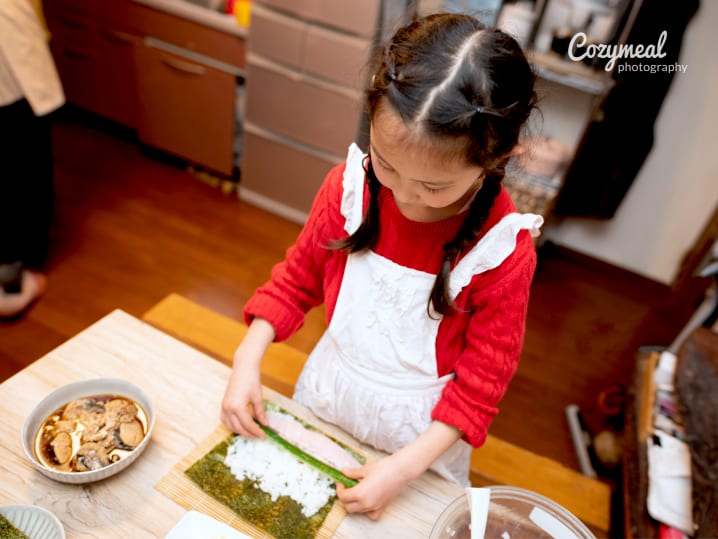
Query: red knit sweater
{"x": 481, "y": 343}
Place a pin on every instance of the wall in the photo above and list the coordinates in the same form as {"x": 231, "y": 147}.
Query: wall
{"x": 677, "y": 189}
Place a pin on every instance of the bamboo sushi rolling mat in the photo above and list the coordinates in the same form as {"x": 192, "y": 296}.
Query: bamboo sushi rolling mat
{"x": 181, "y": 489}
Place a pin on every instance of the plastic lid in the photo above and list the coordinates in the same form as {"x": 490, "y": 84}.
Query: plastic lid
{"x": 513, "y": 513}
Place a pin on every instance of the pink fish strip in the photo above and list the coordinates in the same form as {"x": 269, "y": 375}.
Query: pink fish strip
{"x": 311, "y": 442}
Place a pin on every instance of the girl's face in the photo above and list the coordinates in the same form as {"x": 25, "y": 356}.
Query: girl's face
{"x": 425, "y": 185}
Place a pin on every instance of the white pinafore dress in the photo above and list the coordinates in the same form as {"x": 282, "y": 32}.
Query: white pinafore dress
{"x": 374, "y": 370}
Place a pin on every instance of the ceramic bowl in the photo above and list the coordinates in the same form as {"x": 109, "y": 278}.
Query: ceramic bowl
{"x": 65, "y": 394}
{"x": 513, "y": 512}
{"x": 33, "y": 521}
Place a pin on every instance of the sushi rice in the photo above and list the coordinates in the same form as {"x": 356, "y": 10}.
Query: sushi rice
{"x": 278, "y": 473}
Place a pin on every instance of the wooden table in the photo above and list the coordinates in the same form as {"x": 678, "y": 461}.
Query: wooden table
{"x": 186, "y": 387}
{"x": 497, "y": 462}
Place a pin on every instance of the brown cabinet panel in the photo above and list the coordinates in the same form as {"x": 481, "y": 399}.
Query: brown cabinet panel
{"x": 310, "y": 48}
{"x": 186, "y": 108}
{"x": 117, "y": 77}
{"x": 72, "y": 25}
{"x": 283, "y": 171}
{"x": 146, "y": 21}
{"x": 320, "y": 115}
{"x": 358, "y": 18}
{"x": 337, "y": 57}
{"x": 78, "y": 71}
{"x": 277, "y": 36}
{"x": 94, "y": 59}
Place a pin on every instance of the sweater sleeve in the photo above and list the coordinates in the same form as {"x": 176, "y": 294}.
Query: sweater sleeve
{"x": 497, "y": 303}
{"x": 296, "y": 283}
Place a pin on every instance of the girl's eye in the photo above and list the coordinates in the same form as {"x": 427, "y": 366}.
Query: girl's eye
{"x": 385, "y": 166}
{"x": 430, "y": 189}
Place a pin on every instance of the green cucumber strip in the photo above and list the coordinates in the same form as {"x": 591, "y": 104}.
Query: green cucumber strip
{"x": 327, "y": 470}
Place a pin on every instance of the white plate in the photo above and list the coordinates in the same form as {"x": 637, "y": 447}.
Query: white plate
{"x": 196, "y": 525}
{"x": 33, "y": 521}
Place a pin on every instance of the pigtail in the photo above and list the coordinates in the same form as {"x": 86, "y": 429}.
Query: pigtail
{"x": 366, "y": 235}
{"x": 440, "y": 300}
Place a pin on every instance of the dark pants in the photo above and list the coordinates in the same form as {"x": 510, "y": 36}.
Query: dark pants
{"x": 26, "y": 186}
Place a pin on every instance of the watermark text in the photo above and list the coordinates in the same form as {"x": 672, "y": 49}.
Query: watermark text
{"x": 652, "y": 68}
{"x": 580, "y": 48}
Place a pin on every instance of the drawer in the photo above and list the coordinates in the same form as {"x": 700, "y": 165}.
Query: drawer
{"x": 337, "y": 57}
{"x": 277, "y": 36}
{"x": 309, "y": 48}
{"x": 89, "y": 8}
{"x": 360, "y": 18}
{"x": 74, "y": 26}
{"x": 186, "y": 108}
{"x": 309, "y": 111}
{"x": 78, "y": 68}
{"x": 186, "y": 34}
{"x": 73, "y": 20}
{"x": 282, "y": 171}
{"x": 117, "y": 76}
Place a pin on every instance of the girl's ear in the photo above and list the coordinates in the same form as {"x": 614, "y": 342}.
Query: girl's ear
{"x": 517, "y": 150}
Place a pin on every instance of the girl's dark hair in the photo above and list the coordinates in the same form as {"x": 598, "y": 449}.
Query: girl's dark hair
{"x": 465, "y": 90}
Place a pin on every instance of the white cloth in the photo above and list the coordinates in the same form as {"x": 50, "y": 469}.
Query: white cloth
{"x": 374, "y": 371}
{"x": 669, "y": 482}
{"x": 26, "y": 66}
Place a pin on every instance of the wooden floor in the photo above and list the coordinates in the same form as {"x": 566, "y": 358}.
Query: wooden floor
{"x": 129, "y": 229}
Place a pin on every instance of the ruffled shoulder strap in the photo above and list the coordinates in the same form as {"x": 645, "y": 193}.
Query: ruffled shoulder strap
{"x": 493, "y": 248}
{"x": 353, "y": 189}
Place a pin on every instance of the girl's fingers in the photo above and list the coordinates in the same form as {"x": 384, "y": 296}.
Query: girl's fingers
{"x": 357, "y": 507}
{"x": 375, "y": 515}
{"x": 258, "y": 408}
{"x": 355, "y": 473}
{"x": 232, "y": 423}
{"x": 250, "y": 429}
{"x": 242, "y": 423}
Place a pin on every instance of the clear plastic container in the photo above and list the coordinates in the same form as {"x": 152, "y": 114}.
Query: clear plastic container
{"x": 513, "y": 513}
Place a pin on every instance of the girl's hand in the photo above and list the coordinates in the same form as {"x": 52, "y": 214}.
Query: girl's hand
{"x": 380, "y": 482}
{"x": 243, "y": 402}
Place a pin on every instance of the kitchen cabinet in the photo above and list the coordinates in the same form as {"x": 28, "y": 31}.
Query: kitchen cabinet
{"x": 74, "y": 47}
{"x": 167, "y": 69}
{"x": 187, "y": 107}
{"x": 115, "y": 75}
{"x": 94, "y": 56}
{"x": 315, "y": 51}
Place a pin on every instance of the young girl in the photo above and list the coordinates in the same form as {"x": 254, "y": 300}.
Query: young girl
{"x": 421, "y": 260}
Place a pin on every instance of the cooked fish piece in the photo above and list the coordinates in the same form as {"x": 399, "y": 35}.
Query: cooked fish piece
{"x": 62, "y": 447}
{"x": 131, "y": 433}
{"x": 91, "y": 456}
{"x": 312, "y": 442}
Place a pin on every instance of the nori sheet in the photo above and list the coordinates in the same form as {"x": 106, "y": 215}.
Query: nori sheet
{"x": 282, "y": 518}
{"x": 8, "y": 531}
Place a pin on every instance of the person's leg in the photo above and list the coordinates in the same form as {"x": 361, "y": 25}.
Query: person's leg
{"x": 26, "y": 195}
{"x": 38, "y": 195}
{"x": 13, "y": 124}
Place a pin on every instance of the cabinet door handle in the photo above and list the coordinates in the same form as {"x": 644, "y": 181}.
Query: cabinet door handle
{"x": 117, "y": 36}
{"x": 185, "y": 67}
